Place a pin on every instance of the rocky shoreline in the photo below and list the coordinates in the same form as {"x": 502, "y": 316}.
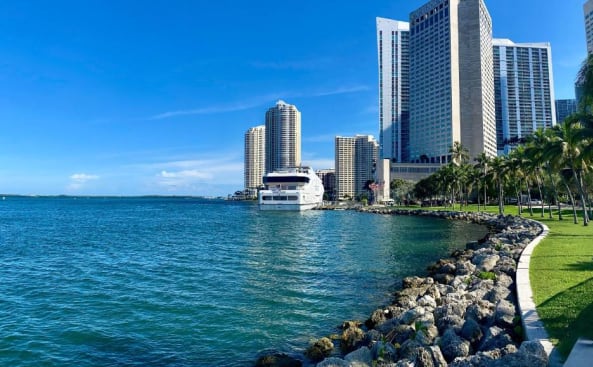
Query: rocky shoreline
{"x": 464, "y": 313}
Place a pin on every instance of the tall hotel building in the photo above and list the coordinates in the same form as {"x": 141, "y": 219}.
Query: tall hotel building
{"x": 393, "y": 39}
{"x": 451, "y": 80}
{"x": 588, "y": 14}
{"x": 524, "y": 90}
{"x": 283, "y": 137}
{"x": 355, "y": 163}
{"x": 255, "y": 156}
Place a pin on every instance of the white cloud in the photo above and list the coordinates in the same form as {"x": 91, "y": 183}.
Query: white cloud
{"x": 187, "y": 174}
{"x": 78, "y": 180}
{"x": 190, "y": 176}
{"x": 83, "y": 177}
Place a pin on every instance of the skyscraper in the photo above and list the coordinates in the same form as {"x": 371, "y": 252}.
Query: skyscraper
{"x": 588, "y": 14}
{"x": 565, "y": 108}
{"x": 451, "y": 80}
{"x": 356, "y": 159}
{"x": 524, "y": 90}
{"x": 255, "y": 157}
{"x": 283, "y": 137}
{"x": 393, "y": 39}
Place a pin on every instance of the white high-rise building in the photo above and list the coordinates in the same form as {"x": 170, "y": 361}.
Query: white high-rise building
{"x": 588, "y": 14}
{"x": 393, "y": 39}
{"x": 451, "y": 80}
{"x": 283, "y": 137}
{"x": 355, "y": 161}
{"x": 524, "y": 91}
{"x": 255, "y": 157}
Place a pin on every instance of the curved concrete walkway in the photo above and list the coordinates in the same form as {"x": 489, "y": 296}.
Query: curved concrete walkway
{"x": 532, "y": 325}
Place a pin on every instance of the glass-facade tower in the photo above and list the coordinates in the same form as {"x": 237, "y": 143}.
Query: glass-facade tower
{"x": 393, "y": 39}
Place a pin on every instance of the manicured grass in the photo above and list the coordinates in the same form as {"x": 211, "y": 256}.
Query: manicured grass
{"x": 561, "y": 274}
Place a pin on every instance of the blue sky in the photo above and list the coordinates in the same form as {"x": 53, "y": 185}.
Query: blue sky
{"x": 154, "y": 97}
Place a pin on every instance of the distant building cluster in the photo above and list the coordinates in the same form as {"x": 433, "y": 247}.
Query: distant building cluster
{"x": 442, "y": 78}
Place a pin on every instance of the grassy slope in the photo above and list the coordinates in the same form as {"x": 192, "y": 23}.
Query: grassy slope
{"x": 561, "y": 273}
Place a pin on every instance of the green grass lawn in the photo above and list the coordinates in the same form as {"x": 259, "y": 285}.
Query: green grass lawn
{"x": 561, "y": 273}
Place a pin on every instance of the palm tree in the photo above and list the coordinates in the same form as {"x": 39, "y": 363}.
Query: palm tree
{"x": 499, "y": 174}
{"x": 482, "y": 161}
{"x": 566, "y": 146}
{"x": 459, "y": 154}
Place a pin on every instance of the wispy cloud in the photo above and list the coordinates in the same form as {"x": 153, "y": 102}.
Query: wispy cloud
{"x": 311, "y": 64}
{"x": 259, "y": 101}
{"x": 223, "y": 108}
{"x": 78, "y": 180}
{"x": 340, "y": 90}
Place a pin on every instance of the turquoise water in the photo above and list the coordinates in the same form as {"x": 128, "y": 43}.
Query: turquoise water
{"x": 189, "y": 282}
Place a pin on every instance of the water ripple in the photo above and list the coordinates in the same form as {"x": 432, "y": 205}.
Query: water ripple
{"x": 176, "y": 282}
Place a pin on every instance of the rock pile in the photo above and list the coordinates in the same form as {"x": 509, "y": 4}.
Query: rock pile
{"x": 462, "y": 314}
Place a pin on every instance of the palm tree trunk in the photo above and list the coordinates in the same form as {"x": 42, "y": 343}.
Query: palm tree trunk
{"x": 478, "y": 195}
{"x": 577, "y": 177}
{"x": 540, "y": 185}
{"x": 529, "y": 198}
{"x": 500, "y": 199}
{"x": 555, "y": 190}
{"x": 574, "y": 209}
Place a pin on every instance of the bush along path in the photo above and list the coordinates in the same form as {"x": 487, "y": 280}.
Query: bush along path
{"x": 464, "y": 313}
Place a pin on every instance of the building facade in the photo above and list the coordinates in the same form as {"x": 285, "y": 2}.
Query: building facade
{"x": 588, "y": 15}
{"x": 328, "y": 177}
{"x": 355, "y": 164}
{"x": 524, "y": 91}
{"x": 393, "y": 39}
{"x": 565, "y": 108}
{"x": 283, "y": 137}
{"x": 451, "y": 80}
{"x": 255, "y": 156}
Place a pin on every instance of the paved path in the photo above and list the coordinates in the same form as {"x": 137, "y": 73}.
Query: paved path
{"x": 581, "y": 354}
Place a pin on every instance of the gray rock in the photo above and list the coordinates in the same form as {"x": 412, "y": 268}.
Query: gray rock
{"x": 464, "y": 268}
{"x": 437, "y": 356}
{"x": 404, "y": 363}
{"x": 378, "y": 317}
{"x": 410, "y": 349}
{"x": 504, "y": 280}
{"x": 412, "y": 315}
{"x": 534, "y": 348}
{"x": 333, "y": 362}
{"x": 505, "y": 314}
{"x": 372, "y": 336}
{"x": 452, "y": 346}
{"x": 423, "y": 358}
{"x": 497, "y": 294}
{"x": 351, "y": 337}
{"x": 427, "y": 301}
{"x": 320, "y": 349}
{"x": 361, "y": 357}
{"x": 495, "y": 338}
{"x": 481, "y": 311}
{"x": 472, "y": 332}
{"x": 449, "y": 322}
{"x": 384, "y": 352}
{"x": 277, "y": 360}
{"x": 400, "y": 334}
{"x": 485, "y": 262}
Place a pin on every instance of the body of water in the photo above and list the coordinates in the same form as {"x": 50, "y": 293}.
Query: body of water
{"x": 190, "y": 282}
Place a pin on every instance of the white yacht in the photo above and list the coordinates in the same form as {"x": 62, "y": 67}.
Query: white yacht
{"x": 296, "y": 189}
